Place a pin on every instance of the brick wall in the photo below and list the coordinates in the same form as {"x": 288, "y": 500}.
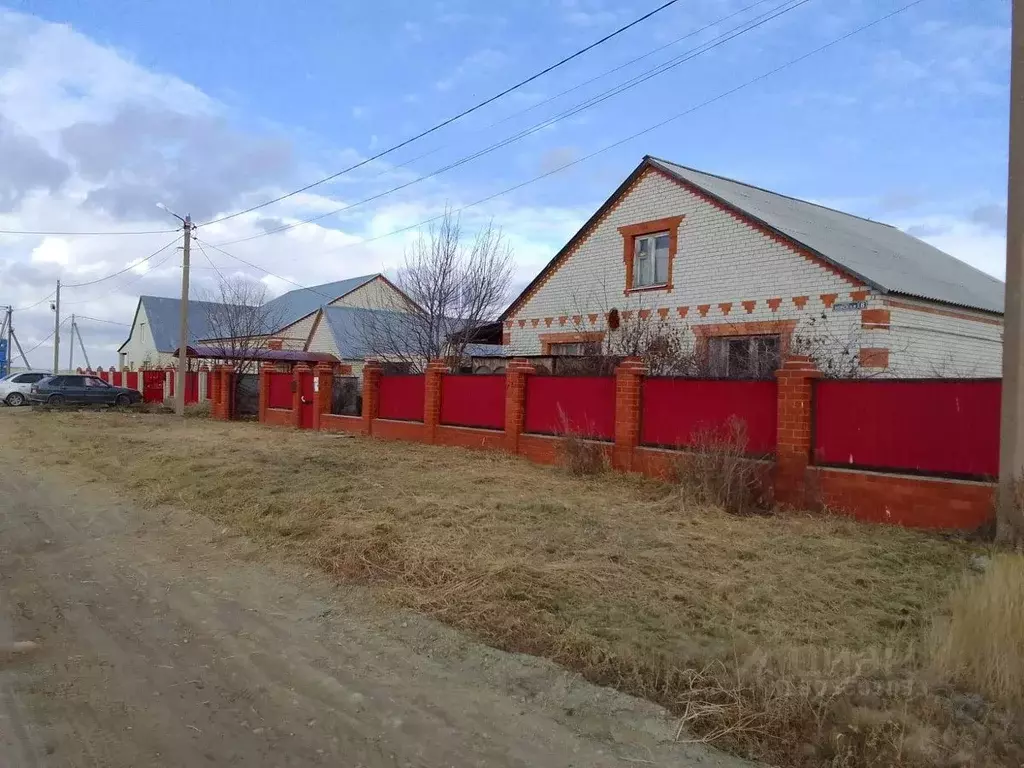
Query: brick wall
{"x": 791, "y": 479}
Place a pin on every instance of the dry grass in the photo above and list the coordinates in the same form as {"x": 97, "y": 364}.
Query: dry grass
{"x": 793, "y": 639}
{"x": 980, "y": 644}
{"x": 716, "y": 470}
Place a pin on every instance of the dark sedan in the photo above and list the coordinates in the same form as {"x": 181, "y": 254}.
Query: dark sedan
{"x": 81, "y": 390}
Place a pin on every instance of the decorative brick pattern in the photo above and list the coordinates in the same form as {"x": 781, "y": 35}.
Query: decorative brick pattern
{"x": 793, "y": 451}
{"x": 875, "y": 319}
{"x": 629, "y": 234}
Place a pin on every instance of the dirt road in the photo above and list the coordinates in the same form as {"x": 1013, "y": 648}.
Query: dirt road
{"x": 163, "y": 641}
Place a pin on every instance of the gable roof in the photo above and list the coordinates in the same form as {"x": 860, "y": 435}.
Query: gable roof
{"x": 289, "y": 308}
{"x": 164, "y": 315}
{"x": 877, "y": 254}
{"x": 350, "y": 326}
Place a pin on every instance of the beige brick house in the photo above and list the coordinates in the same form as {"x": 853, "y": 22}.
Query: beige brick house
{"x": 746, "y": 274}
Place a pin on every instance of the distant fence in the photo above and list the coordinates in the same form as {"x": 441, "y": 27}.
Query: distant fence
{"x": 157, "y": 385}
{"x": 907, "y": 452}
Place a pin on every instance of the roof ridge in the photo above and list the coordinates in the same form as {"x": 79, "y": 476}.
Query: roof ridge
{"x": 772, "y": 192}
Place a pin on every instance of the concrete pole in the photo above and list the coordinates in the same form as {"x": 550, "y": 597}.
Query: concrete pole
{"x": 179, "y": 399}
{"x": 1010, "y": 514}
{"x": 10, "y": 339}
{"x": 71, "y": 345}
{"x": 56, "y": 332}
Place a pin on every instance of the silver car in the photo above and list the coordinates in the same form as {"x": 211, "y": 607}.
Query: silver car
{"x": 14, "y": 387}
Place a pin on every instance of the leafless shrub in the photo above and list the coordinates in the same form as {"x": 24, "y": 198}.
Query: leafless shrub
{"x": 201, "y": 410}
{"x": 580, "y": 456}
{"x": 716, "y": 470}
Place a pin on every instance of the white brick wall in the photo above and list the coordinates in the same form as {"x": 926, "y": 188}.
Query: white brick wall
{"x": 376, "y": 294}
{"x": 720, "y": 260}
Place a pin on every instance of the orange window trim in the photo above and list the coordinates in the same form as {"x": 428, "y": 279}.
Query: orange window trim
{"x": 781, "y": 328}
{"x": 631, "y": 232}
{"x": 569, "y": 337}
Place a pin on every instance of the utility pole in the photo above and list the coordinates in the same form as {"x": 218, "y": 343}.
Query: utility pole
{"x": 10, "y": 339}
{"x": 71, "y": 345}
{"x": 78, "y": 331}
{"x": 179, "y": 400}
{"x": 1010, "y": 514}
{"x": 56, "y": 332}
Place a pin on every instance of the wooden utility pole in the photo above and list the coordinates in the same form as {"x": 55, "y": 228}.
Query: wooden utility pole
{"x": 71, "y": 345}
{"x": 56, "y": 331}
{"x": 1010, "y": 514}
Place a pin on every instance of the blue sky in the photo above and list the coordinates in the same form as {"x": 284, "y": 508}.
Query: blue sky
{"x": 112, "y": 106}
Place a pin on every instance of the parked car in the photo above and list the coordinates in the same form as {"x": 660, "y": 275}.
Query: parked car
{"x": 86, "y": 390}
{"x": 14, "y": 388}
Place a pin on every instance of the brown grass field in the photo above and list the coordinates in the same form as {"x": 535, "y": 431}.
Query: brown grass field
{"x": 793, "y": 639}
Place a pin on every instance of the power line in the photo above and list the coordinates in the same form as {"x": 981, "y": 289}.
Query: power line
{"x": 83, "y": 234}
{"x": 36, "y": 304}
{"x": 618, "y": 143}
{"x": 48, "y": 337}
{"x": 214, "y": 266}
{"x": 129, "y": 267}
{"x": 267, "y": 271}
{"x": 99, "y": 320}
{"x": 450, "y": 120}
{"x": 745, "y": 27}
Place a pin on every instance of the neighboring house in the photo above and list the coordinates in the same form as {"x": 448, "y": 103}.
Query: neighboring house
{"x": 745, "y": 275}
{"x": 348, "y": 333}
{"x": 155, "y": 328}
{"x": 296, "y": 311}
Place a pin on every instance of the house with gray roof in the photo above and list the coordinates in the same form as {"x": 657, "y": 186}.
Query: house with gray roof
{"x": 745, "y": 275}
{"x": 154, "y": 329}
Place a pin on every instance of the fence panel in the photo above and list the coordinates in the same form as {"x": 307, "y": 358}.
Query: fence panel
{"x": 131, "y": 379}
{"x": 280, "y": 390}
{"x": 584, "y": 405}
{"x": 346, "y": 400}
{"x": 247, "y": 394}
{"x": 941, "y": 427}
{"x": 401, "y": 397}
{"x": 681, "y": 412}
{"x": 473, "y": 401}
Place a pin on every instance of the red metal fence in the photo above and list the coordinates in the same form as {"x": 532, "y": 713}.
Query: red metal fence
{"x": 401, "y": 397}
{"x": 934, "y": 426}
{"x": 680, "y": 412}
{"x": 473, "y": 401}
{"x": 583, "y": 405}
{"x": 280, "y": 390}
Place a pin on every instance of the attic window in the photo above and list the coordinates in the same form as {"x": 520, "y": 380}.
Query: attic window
{"x": 650, "y": 260}
{"x": 648, "y": 250}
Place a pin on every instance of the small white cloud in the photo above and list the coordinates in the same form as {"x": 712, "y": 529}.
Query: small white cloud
{"x": 360, "y": 112}
{"x": 52, "y": 250}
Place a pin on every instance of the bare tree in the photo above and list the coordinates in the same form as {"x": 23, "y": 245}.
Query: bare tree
{"x": 454, "y": 284}
{"x": 239, "y": 323}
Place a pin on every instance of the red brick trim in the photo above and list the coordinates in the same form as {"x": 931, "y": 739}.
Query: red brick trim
{"x": 873, "y": 357}
{"x": 799, "y": 301}
{"x": 873, "y": 319}
{"x": 663, "y": 312}
{"x": 703, "y": 309}
{"x": 569, "y": 337}
{"x": 629, "y": 234}
{"x": 562, "y": 319}
{"x": 522, "y": 323}
{"x": 726, "y": 307}
{"x": 592, "y": 318}
{"x": 828, "y": 299}
{"x": 781, "y": 328}
{"x": 535, "y": 322}
{"x": 943, "y": 312}
{"x": 773, "y": 304}
{"x": 548, "y": 321}
{"x": 683, "y": 311}
{"x": 749, "y": 306}
{"x": 643, "y": 314}
{"x": 765, "y": 230}
{"x": 858, "y": 295}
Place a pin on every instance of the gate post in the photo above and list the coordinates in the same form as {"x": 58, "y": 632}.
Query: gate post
{"x": 436, "y": 369}
{"x": 515, "y": 401}
{"x": 372, "y": 372}
{"x": 323, "y": 391}
{"x": 628, "y": 378}
{"x": 793, "y": 443}
{"x": 264, "y": 374}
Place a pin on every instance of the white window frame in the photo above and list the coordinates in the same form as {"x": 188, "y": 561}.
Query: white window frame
{"x": 638, "y": 265}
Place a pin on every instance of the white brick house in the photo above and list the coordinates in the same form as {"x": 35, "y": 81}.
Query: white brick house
{"x": 744, "y": 273}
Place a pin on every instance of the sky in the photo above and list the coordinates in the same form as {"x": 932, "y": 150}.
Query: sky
{"x": 111, "y": 107}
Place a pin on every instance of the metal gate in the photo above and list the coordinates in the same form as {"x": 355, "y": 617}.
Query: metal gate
{"x": 153, "y": 386}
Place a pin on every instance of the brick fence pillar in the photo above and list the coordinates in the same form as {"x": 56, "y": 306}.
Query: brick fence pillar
{"x": 265, "y": 371}
{"x": 323, "y": 389}
{"x": 214, "y": 387}
{"x": 297, "y": 371}
{"x": 372, "y": 372}
{"x": 228, "y": 391}
{"x": 628, "y": 378}
{"x": 516, "y": 373}
{"x": 436, "y": 369}
{"x": 793, "y": 442}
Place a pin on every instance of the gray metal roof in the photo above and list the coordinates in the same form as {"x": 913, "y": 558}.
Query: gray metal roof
{"x": 879, "y": 254}
{"x": 295, "y": 305}
{"x": 475, "y": 349}
{"x": 164, "y": 315}
{"x": 359, "y": 333}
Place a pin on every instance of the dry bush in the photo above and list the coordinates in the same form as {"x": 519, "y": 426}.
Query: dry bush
{"x": 716, "y": 470}
{"x": 980, "y": 644}
{"x": 201, "y": 410}
{"x": 580, "y": 456}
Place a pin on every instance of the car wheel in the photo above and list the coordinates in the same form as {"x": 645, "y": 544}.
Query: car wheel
{"x": 122, "y": 401}
{"x": 56, "y": 400}
{"x": 15, "y": 399}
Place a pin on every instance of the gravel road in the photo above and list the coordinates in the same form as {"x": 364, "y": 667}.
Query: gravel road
{"x": 164, "y": 641}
